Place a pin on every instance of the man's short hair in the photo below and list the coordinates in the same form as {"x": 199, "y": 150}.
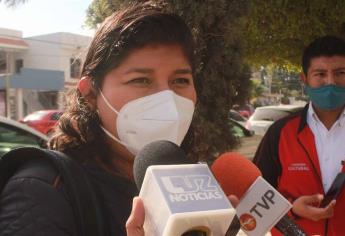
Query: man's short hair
{"x": 324, "y": 46}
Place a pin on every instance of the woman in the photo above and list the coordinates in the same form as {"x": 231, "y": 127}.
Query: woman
{"x": 139, "y": 65}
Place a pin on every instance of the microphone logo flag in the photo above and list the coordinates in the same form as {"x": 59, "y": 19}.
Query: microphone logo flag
{"x": 261, "y": 208}
{"x": 190, "y": 188}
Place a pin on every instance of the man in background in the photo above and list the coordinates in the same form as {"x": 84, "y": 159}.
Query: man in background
{"x": 302, "y": 154}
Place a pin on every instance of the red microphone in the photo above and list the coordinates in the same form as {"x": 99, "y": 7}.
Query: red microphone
{"x": 239, "y": 176}
{"x": 234, "y": 173}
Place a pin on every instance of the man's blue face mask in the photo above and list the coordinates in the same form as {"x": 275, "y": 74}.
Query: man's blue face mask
{"x": 328, "y": 97}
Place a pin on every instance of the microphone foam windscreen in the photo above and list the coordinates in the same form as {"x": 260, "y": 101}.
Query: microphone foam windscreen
{"x": 157, "y": 153}
{"x": 234, "y": 173}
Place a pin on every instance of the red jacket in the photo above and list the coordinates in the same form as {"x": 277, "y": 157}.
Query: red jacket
{"x": 287, "y": 158}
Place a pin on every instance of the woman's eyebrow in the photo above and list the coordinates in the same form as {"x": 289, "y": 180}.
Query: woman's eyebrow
{"x": 183, "y": 71}
{"x": 139, "y": 70}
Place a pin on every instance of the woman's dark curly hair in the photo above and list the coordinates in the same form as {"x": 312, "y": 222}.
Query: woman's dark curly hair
{"x": 78, "y": 132}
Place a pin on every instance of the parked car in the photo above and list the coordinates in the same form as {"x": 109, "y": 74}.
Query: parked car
{"x": 43, "y": 121}
{"x": 264, "y": 116}
{"x": 245, "y": 110}
{"x": 237, "y": 117}
{"x": 249, "y": 140}
{"x": 14, "y": 134}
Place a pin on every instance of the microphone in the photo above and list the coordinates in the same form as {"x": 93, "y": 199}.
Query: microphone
{"x": 261, "y": 206}
{"x": 180, "y": 198}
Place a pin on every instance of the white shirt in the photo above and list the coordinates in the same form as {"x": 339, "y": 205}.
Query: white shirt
{"x": 330, "y": 146}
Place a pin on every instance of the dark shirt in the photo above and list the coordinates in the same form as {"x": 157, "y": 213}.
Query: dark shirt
{"x": 31, "y": 205}
{"x": 116, "y": 194}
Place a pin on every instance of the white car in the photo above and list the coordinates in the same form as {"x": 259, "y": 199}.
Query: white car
{"x": 14, "y": 134}
{"x": 264, "y": 116}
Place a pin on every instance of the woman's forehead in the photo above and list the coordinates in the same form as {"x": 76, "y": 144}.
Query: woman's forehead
{"x": 155, "y": 55}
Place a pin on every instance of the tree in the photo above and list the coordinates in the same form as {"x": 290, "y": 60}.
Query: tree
{"x": 284, "y": 81}
{"x": 97, "y": 12}
{"x": 278, "y": 30}
{"x": 217, "y": 26}
{"x": 256, "y": 89}
{"x": 244, "y": 87}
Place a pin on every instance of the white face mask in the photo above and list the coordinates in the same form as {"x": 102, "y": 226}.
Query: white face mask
{"x": 160, "y": 116}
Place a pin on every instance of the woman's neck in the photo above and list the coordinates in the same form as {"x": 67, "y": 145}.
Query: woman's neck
{"x": 124, "y": 167}
{"x": 120, "y": 161}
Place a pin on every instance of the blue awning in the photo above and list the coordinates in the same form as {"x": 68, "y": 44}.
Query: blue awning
{"x": 35, "y": 79}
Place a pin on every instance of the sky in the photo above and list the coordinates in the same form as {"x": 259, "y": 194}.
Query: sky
{"x": 37, "y": 17}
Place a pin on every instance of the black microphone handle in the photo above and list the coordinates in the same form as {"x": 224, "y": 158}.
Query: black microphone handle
{"x": 285, "y": 225}
{"x": 288, "y": 227}
{"x": 234, "y": 227}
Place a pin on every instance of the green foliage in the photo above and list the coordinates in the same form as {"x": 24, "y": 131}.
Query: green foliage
{"x": 217, "y": 26}
{"x": 256, "y": 89}
{"x": 97, "y": 12}
{"x": 284, "y": 81}
{"x": 221, "y": 78}
{"x": 243, "y": 87}
{"x": 278, "y": 30}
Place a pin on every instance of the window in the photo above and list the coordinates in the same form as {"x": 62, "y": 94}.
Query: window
{"x": 75, "y": 67}
{"x": 48, "y": 99}
{"x": 56, "y": 116}
{"x": 273, "y": 114}
{"x": 236, "y": 116}
{"x": 12, "y": 137}
{"x": 19, "y": 65}
{"x": 3, "y": 67}
{"x": 269, "y": 114}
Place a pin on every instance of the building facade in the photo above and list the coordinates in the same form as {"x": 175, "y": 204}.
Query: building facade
{"x": 38, "y": 70}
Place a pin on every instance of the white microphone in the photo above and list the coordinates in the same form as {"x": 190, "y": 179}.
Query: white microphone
{"x": 179, "y": 197}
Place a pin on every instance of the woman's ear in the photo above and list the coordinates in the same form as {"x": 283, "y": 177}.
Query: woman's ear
{"x": 87, "y": 92}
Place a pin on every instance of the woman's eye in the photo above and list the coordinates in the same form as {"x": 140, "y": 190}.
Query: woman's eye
{"x": 141, "y": 80}
{"x": 182, "y": 81}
